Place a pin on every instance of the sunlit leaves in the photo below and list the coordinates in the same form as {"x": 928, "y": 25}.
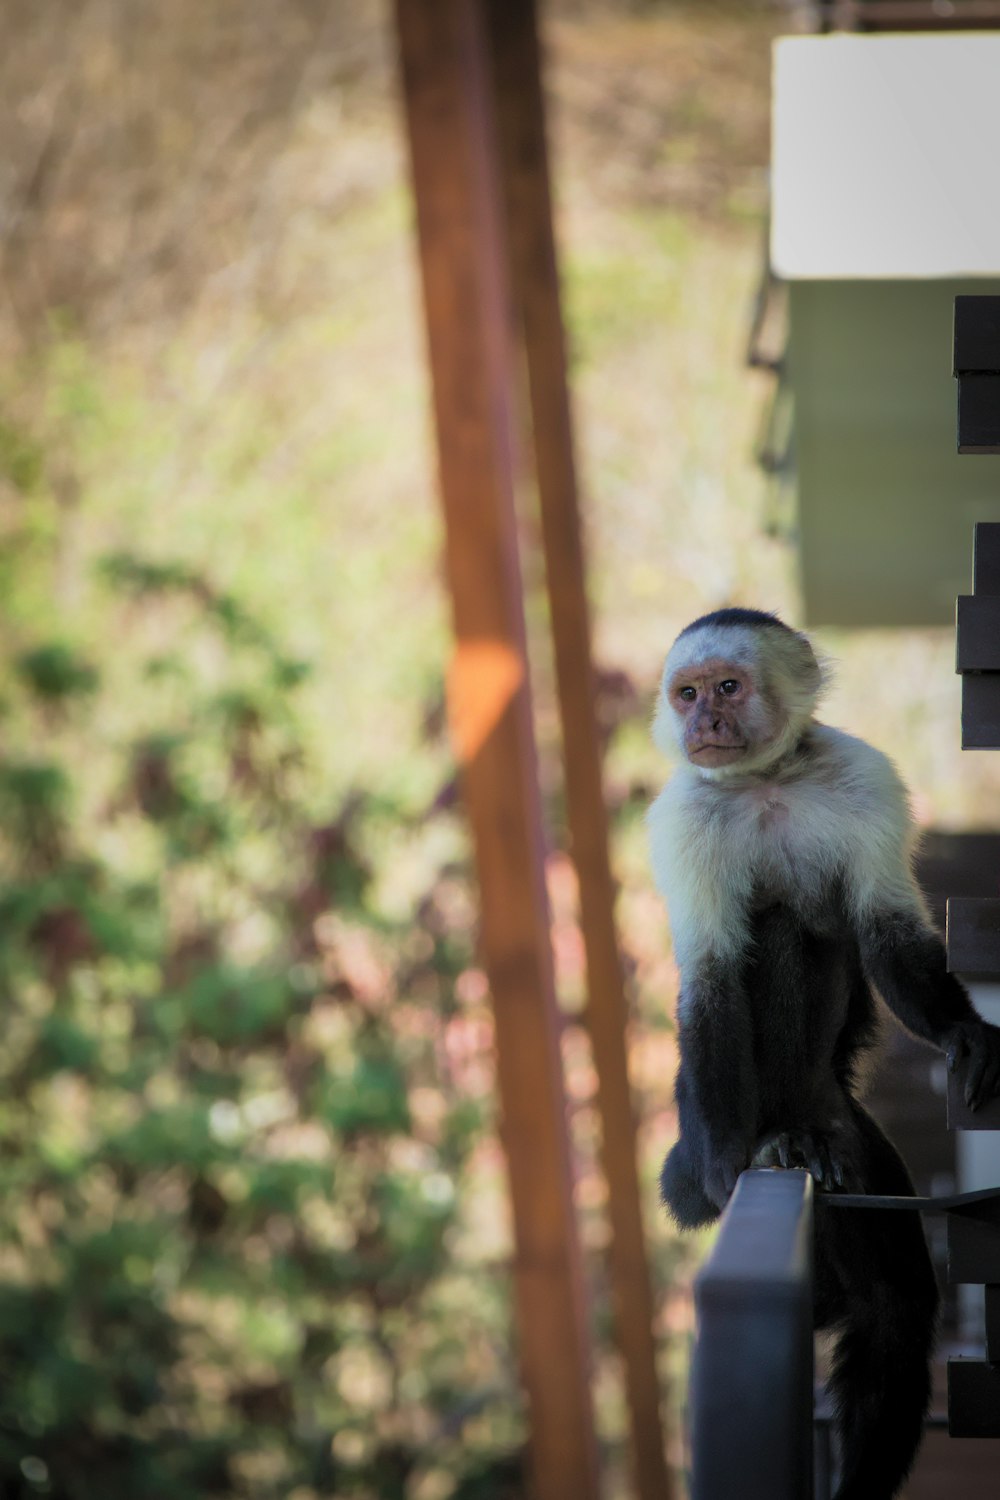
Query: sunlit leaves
{"x": 370, "y": 1097}
{"x": 34, "y": 799}
{"x": 227, "y": 1148}
{"x": 54, "y": 672}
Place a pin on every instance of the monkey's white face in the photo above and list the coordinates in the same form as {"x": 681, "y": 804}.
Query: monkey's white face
{"x": 736, "y": 697}
{"x": 721, "y": 716}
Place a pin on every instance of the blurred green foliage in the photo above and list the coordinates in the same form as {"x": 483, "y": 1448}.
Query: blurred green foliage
{"x": 232, "y": 1147}
{"x": 256, "y": 1240}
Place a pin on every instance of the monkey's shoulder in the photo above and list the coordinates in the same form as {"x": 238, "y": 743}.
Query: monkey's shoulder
{"x": 855, "y": 773}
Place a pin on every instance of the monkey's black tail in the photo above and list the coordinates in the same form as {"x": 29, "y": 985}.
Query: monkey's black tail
{"x": 875, "y": 1287}
{"x": 881, "y": 1387}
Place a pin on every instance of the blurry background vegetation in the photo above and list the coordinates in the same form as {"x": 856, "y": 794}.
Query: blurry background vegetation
{"x": 254, "y": 1236}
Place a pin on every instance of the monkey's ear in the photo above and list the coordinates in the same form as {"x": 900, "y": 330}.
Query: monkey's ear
{"x": 806, "y": 672}
{"x": 823, "y": 666}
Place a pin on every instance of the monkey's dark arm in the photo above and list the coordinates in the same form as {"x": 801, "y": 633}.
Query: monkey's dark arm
{"x": 907, "y": 963}
{"x": 716, "y": 1083}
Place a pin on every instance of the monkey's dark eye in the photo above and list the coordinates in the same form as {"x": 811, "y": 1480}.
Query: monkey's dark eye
{"x": 729, "y": 687}
{"x": 689, "y": 694}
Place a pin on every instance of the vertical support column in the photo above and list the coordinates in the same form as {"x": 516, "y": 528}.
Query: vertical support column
{"x": 972, "y": 940}
{"x": 535, "y": 281}
{"x": 453, "y": 150}
{"x": 978, "y": 632}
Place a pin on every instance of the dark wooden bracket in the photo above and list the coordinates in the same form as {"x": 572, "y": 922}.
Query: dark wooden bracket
{"x": 978, "y": 633}
{"x": 973, "y": 1398}
{"x": 978, "y": 636}
{"x": 974, "y": 1384}
{"x": 981, "y": 711}
{"x": 977, "y": 369}
{"x": 974, "y": 1242}
{"x": 972, "y": 936}
{"x": 993, "y": 1324}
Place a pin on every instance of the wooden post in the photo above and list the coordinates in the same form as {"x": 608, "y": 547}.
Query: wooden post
{"x": 534, "y": 273}
{"x": 453, "y": 150}
{"x": 752, "y": 1372}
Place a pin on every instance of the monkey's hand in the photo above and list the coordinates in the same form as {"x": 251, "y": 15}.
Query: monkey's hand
{"x": 979, "y": 1044}
{"x": 826, "y": 1159}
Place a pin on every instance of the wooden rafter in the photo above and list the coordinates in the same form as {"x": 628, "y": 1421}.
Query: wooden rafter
{"x": 520, "y": 115}
{"x": 453, "y": 149}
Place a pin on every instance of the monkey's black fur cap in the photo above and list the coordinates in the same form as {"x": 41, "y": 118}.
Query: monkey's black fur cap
{"x": 735, "y": 616}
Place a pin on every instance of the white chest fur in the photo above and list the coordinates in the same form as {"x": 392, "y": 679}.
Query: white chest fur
{"x": 785, "y": 842}
{"x": 719, "y": 847}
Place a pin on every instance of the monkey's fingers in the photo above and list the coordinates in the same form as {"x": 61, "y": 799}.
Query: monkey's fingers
{"x": 983, "y": 1074}
{"x": 991, "y": 1080}
{"x": 795, "y": 1150}
{"x": 835, "y": 1170}
{"x": 972, "y": 1098}
{"x": 814, "y": 1151}
{"x": 975, "y": 1075}
{"x": 956, "y": 1051}
{"x": 803, "y": 1149}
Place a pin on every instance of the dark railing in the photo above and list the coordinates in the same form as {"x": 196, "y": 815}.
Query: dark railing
{"x": 753, "y": 1423}
{"x": 752, "y": 1375}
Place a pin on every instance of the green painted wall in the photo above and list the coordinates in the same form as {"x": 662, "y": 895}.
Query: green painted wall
{"x": 886, "y": 505}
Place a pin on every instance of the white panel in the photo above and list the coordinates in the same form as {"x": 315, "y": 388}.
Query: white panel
{"x": 886, "y": 156}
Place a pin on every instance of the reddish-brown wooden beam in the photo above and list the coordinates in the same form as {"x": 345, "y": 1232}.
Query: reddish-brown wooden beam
{"x": 453, "y": 152}
{"x": 918, "y": 15}
{"x": 535, "y": 282}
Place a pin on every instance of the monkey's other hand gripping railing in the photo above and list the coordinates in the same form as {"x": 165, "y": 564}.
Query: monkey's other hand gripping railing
{"x": 752, "y": 1374}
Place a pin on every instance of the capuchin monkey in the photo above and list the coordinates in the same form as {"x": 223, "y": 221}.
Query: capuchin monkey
{"x": 784, "y": 851}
